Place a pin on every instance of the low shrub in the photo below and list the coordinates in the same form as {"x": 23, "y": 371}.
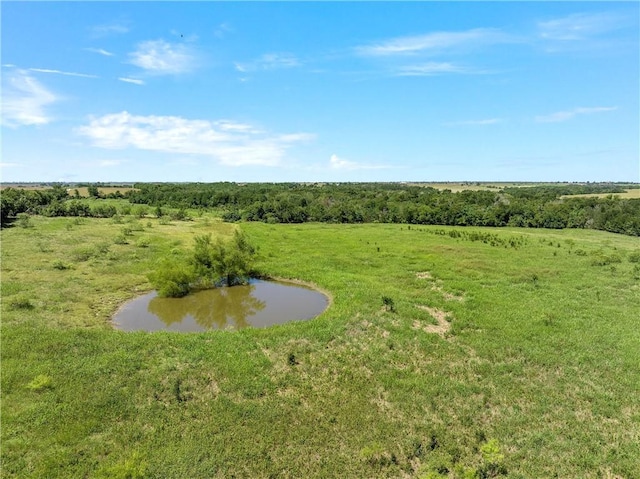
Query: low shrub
{"x": 60, "y": 265}
{"x": 388, "y": 304}
{"x": 172, "y": 279}
{"x": 82, "y": 253}
{"x": 120, "y": 239}
{"x": 24, "y": 220}
{"x": 634, "y": 256}
{"x": 143, "y": 242}
{"x": 21, "y": 302}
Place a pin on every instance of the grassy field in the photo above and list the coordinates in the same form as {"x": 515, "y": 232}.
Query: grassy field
{"x": 507, "y": 353}
{"x": 628, "y": 194}
{"x": 456, "y": 186}
{"x": 83, "y": 191}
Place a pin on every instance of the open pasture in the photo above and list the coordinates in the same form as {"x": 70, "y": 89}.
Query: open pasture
{"x": 628, "y": 194}
{"x": 446, "y": 352}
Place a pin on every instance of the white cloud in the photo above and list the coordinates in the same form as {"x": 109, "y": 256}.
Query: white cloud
{"x": 487, "y": 121}
{"x": 135, "y": 81}
{"x": 24, "y": 100}
{"x": 580, "y": 26}
{"x": 229, "y": 143}
{"x": 568, "y": 115}
{"x": 59, "y": 72}
{"x": 163, "y": 58}
{"x": 337, "y": 163}
{"x": 100, "y": 51}
{"x": 435, "y": 42}
{"x": 269, "y": 61}
{"x": 107, "y": 29}
{"x": 434, "y": 68}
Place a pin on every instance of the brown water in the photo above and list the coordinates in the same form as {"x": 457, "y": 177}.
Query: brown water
{"x": 258, "y": 304}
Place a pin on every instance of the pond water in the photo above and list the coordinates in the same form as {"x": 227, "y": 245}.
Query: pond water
{"x": 258, "y": 304}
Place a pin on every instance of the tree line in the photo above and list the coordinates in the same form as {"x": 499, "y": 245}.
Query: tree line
{"x": 542, "y": 206}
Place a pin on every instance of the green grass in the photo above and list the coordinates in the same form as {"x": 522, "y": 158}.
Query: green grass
{"x": 537, "y": 376}
{"x": 628, "y": 194}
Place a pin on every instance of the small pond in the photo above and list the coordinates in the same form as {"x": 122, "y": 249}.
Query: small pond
{"x": 258, "y": 304}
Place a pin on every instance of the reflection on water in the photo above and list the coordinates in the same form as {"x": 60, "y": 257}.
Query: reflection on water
{"x": 258, "y": 304}
{"x": 214, "y": 308}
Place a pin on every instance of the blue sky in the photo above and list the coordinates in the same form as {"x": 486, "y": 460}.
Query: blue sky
{"x": 382, "y": 91}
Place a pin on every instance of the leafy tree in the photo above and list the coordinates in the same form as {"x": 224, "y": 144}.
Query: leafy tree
{"x": 227, "y": 262}
{"x": 93, "y": 190}
{"x": 172, "y": 279}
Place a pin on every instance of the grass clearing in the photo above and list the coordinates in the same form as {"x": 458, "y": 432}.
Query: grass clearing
{"x": 628, "y": 194}
{"x": 537, "y": 376}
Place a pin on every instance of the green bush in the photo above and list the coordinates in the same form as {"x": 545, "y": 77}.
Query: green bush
{"x": 24, "y": 220}
{"x": 389, "y": 304}
{"x": 82, "y": 253}
{"x": 602, "y": 259}
{"x": 140, "y": 211}
{"x": 143, "y": 242}
{"x": 634, "y": 256}
{"x": 60, "y": 265}
{"x": 228, "y": 262}
{"x": 172, "y": 279}
{"x": 21, "y": 302}
{"x": 120, "y": 239}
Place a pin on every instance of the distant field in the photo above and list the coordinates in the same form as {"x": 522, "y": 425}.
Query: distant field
{"x": 628, "y": 194}
{"x": 477, "y": 186}
{"x": 508, "y": 353}
{"x": 83, "y": 191}
{"x": 103, "y": 190}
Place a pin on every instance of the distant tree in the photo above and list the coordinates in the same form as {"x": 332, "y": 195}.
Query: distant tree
{"x": 93, "y": 190}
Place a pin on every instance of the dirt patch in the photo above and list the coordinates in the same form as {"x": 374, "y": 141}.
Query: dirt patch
{"x": 436, "y": 285}
{"x": 440, "y": 316}
{"x": 446, "y": 295}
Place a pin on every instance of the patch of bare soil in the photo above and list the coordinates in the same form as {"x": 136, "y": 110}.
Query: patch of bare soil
{"x": 440, "y": 316}
{"x": 424, "y": 275}
{"x": 436, "y": 285}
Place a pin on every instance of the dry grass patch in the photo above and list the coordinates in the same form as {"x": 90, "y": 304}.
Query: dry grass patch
{"x": 436, "y": 285}
{"x": 440, "y": 316}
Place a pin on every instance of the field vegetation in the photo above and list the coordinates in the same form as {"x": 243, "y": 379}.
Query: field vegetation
{"x": 447, "y": 351}
{"x": 542, "y": 206}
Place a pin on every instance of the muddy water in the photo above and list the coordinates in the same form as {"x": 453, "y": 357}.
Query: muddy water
{"x": 258, "y": 304}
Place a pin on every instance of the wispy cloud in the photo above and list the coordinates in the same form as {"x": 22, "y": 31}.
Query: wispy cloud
{"x": 435, "y": 42}
{"x": 569, "y": 114}
{"x": 227, "y": 142}
{"x": 222, "y": 30}
{"x": 580, "y": 26}
{"x": 337, "y": 163}
{"x": 269, "y": 61}
{"x": 60, "y": 72}
{"x": 98, "y": 31}
{"x": 100, "y": 51}
{"x": 435, "y": 68}
{"x": 487, "y": 121}
{"x": 163, "y": 58}
{"x": 24, "y": 100}
{"x": 135, "y": 81}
